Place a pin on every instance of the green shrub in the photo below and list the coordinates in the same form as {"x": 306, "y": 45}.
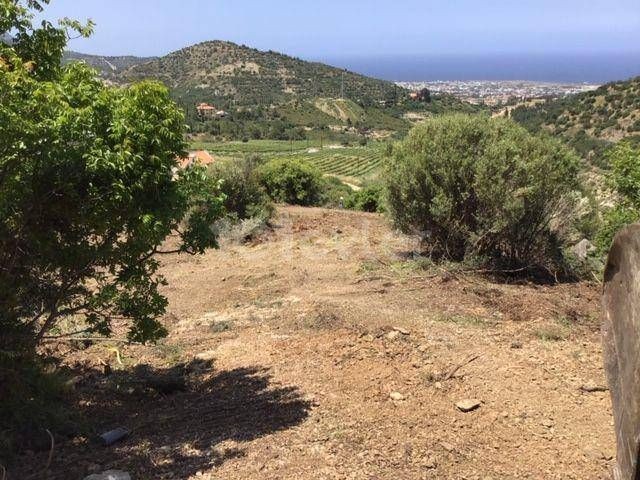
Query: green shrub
{"x": 245, "y": 197}
{"x": 368, "y": 199}
{"x": 335, "y": 192}
{"x": 479, "y": 187}
{"x": 624, "y": 177}
{"x": 292, "y": 181}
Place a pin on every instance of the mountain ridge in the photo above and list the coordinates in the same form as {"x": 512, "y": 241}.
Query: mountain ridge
{"x": 223, "y": 69}
{"x": 107, "y": 65}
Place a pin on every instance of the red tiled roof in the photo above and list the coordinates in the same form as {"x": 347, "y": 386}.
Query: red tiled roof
{"x": 205, "y": 106}
{"x": 201, "y": 157}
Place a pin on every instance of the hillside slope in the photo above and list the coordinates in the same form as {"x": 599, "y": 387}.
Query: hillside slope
{"x": 589, "y": 120}
{"x": 321, "y": 352}
{"x": 224, "y": 70}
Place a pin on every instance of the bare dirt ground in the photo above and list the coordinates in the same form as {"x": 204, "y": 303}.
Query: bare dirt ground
{"x": 322, "y": 352}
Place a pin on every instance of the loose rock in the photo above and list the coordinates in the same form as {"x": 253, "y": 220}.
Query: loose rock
{"x": 547, "y": 423}
{"x": 447, "y": 446}
{"x": 393, "y": 335}
{"x": 591, "y": 388}
{"x": 113, "y": 436}
{"x": 397, "y": 396}
{"x": 206, "y": 356}
{"x": 109, "y": 475}
{"x": 468, "y": 405}
{"x": 582, "y": 249}
{"x": 430, "y": 463}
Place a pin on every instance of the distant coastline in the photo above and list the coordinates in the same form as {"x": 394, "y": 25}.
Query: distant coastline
{"x": 594, "y": 68}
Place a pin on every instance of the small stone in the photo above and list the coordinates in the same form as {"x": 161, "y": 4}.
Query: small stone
{"x": 113, "y": 436}
{"x": 396, "y": 396}
{"x": 583, "y": 248}
{"x": 206, "y": 356}
{"x": 393, "y": 335}
{"x": 593, "y": 453}
{"x": 109, "y": 475}
{"x": 592, "y": 387}
{"x": 447, "y": 446}
{"x": 401, "y": 330}
{"x": 438, "y": 385}
{"x": 430, "y": 463}
{"x": 547, "y": 423}
{"x": 468, "y": 405}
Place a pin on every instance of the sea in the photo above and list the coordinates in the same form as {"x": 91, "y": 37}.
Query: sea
{"x": 558, "y": 68}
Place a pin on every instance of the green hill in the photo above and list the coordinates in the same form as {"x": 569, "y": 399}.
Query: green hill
{"x": 219, "y": 71}
{"x": 271, "y": 95}
{"x": 589, "y": 121}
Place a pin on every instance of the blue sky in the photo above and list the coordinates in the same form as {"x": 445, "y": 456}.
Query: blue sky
{"x": 351, "y": 28}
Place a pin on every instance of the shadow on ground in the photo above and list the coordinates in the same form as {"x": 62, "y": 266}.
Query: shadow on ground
{"x": 178, "y": 418}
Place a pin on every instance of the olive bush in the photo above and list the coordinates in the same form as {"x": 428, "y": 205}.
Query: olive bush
{"x": 473, "y": 186}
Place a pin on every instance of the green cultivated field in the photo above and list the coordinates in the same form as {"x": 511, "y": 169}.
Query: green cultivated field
{"x": 354, "y": 162}
{"x": 263, "y": 147}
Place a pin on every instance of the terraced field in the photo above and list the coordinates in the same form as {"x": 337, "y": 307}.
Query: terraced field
{"x": 352, "y": 162}
{"x": 349, "y": 162}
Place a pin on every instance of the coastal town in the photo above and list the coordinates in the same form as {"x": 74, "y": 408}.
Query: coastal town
{"x": 499, "y": 92}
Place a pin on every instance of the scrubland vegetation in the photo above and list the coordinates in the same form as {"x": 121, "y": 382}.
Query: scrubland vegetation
{"x": 91, "y": 201}
{"x": 482, "y": 188}
{"x": 589, "y": 122}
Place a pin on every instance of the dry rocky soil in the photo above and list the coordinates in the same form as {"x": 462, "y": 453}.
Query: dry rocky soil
{"x": 324, "y": 350}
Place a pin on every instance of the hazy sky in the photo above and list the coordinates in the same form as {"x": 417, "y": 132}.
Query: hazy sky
{"x": 334, "y": 28}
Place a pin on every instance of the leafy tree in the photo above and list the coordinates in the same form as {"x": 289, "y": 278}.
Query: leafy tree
{"x": 482, "y": 187}
{"x": 424, "y": 95}
{"x": 89, "y": 190}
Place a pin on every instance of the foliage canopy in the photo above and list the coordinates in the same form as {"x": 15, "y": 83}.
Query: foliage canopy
{"x": 88, "y": 189}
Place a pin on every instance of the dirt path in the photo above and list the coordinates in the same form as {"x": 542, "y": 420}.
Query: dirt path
{"x": 293, "y": 348}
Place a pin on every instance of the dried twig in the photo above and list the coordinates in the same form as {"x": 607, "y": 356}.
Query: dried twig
{"x": 53, "y": 444}
{"x": 386, "y": 264}
{"x": 117, "y": 352}
{"x": 49, "y": 459}
{"x": 594, "y": 388}
{"x": 453, "y": 371}
{"x": 89, "y": 339}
